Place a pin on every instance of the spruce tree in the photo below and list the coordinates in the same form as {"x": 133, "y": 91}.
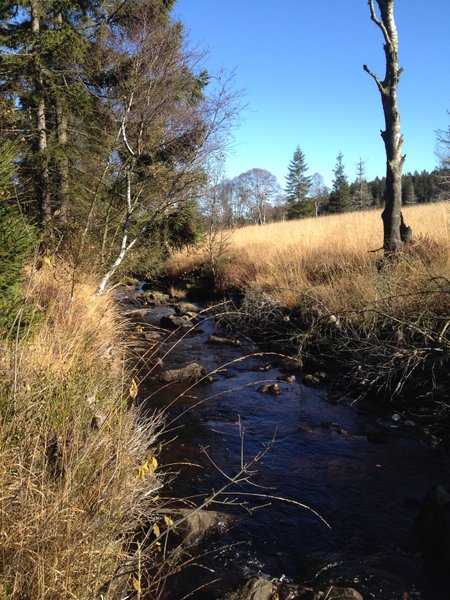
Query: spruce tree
{"x": 340, "y": 194}
{"x": 16, "y": 239}
{"x": 297, "y": 187}
{"x": 408, "y": 191}
{"x": 360, "y": 193}
{"x": 46, "y": 73}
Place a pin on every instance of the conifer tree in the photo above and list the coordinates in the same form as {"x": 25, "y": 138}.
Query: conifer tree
{"x": 297, "y": 187}
{"x": 408, "y": 191}
{"x": 16, "y": 238}
{"x": 45, "y": 73}
{"x": 360, "y": 194}
{"x": 340, "y": 194}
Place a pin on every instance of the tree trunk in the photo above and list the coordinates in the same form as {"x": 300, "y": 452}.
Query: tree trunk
{"x": 63, "y": 161}
{"x": 43, "y": 187}
{"x": 394, "y": 229}
{"x": 125, "y": 245}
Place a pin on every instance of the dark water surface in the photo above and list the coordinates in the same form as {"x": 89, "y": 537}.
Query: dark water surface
{"x": 320, "y": 456}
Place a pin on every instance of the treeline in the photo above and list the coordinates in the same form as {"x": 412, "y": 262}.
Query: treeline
{"x": 256, "y": 197}
{"x": 306, "y": 195}
{"x": 109, "y": 121}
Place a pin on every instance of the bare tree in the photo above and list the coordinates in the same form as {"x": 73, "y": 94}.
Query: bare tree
{"x": 258, "y": 190}
{"x": 443, "y": 155}
{"x": 395, "y": 231}
{"x": 217, "y": 213}
{"x": 359, "y": 191}
{"x": 318, "y": 193}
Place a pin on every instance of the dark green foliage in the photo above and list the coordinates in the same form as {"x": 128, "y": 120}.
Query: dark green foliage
{"x": 339, "y": 200}
{"x": 301, "y": 210}
{"x": 424, "y": 185}
{"x": 182, "y": 227}
{"x": 378, "y": 187}
{"x": 408, "y": 191}
{"x": 297, "y": 187}
{"x": 16, "y": 241}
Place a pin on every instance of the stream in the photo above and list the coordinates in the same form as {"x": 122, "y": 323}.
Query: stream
{"x": 317, "y": 454}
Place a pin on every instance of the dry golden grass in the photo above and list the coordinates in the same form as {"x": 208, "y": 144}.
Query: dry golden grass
{"x": 328, "y": 257}
{"x": 69, "y": 449}
{"x": 386, "y": 319}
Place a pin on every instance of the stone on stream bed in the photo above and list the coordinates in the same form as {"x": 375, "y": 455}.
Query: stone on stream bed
{"x": 286, "y": 378}
{"x": 290, "y": 364}
{"x": 176, "y": 321}
{"x": 262, "y": 368}
{"x": 260, "y": 588}
{"x": 155, "y": 296}
{"x": 185, "y": 307}
{"x": 269, "y": 388}
{"x": 197, "y": 525}
{"x": 219, "y": 340}
{"x": 191, "y": 372}
{"x": 314, "y": 379}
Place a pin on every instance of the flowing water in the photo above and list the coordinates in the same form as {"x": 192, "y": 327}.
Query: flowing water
{"x": 317, "y": 454}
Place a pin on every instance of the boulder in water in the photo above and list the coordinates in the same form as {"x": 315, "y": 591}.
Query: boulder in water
{"x": 259, "y": 588}
{"x": 256, "y": 588}
{"x": 191, "y": 372}
{"x": 175, "y": 321}
{"x": 269, "y": 388}
{"x": 262, "y": 368}
{"x": 196, "y": 525}
{"x": 185, "y": 307}
{"x": 286, "y": 378}
{"x": 311, "y": 380}
{"x": 219, "y": 340}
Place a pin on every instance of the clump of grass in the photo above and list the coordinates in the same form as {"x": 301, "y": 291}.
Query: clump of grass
{"x": 69, "y": 449}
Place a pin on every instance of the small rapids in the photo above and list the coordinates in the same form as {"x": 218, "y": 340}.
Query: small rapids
{"x": 317, "y": 454}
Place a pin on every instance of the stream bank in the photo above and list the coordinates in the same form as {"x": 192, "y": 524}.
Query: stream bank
{"x": 365, "y": 474}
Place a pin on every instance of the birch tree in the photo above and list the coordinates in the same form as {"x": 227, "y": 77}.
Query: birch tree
{"x": 395, "y": 231}
{"x": 167, "y": 128}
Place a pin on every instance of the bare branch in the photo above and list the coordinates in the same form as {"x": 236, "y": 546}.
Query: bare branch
{"x": 377, "y": 21}
{"x": 377, "y": 81}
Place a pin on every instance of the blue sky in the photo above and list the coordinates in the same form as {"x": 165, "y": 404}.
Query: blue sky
{"x": 300, "y": 64}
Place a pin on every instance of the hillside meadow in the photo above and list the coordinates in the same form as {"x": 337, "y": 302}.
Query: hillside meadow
{"x": 329, "y": 256}
{"x": 383, "y": 321}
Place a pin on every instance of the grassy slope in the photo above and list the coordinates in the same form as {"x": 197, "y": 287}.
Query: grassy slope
{"x": 328, "y": 255}
{"x": 69, "y": 449}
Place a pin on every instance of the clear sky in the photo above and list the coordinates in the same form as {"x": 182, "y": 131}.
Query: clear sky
{"x": 300, "y": 64}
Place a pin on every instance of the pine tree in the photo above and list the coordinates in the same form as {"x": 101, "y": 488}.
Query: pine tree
{"x": 297, "y": 187}
{"x": 340, "y": 194}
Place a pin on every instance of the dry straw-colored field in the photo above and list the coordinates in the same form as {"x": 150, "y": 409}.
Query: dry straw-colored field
{"x": 329, "y": 257}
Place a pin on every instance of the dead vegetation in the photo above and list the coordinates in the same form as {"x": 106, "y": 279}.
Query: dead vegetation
{"x": 73, "y": 488}
{"x": 315, "y": 285}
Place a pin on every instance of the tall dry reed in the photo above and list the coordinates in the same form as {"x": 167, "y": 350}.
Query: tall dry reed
{"x": 69, "y": 449}
{"x": 329, "y": 257}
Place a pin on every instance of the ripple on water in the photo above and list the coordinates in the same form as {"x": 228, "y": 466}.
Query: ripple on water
{"x": 319, "y": 454}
